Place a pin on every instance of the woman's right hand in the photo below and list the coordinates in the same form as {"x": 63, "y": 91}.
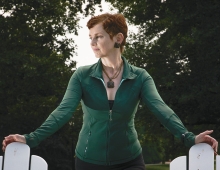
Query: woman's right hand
{"x": 12, "y": 138}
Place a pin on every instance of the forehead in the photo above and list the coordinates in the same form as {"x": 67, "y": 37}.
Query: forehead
{"x": 97, "y": 29}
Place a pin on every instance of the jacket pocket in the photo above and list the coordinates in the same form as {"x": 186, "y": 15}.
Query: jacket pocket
{"x": 131, "y": 136}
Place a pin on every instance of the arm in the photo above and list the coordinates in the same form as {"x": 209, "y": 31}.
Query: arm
{"x": 60, "y": 116}
{"x": 168, "y": 118}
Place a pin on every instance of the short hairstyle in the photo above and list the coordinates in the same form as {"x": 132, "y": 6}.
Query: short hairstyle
{"x": 112, "y": 24}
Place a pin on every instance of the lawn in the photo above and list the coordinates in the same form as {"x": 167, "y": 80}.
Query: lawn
{"x": 157, "y": 167}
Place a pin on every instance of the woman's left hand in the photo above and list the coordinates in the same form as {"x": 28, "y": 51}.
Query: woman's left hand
{"x": 204, "y": 137}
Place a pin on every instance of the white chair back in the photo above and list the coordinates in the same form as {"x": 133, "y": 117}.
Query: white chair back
{"x": 17, "y": 157}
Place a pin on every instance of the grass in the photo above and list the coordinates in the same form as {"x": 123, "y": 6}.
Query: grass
{"x": 157, "y": 167}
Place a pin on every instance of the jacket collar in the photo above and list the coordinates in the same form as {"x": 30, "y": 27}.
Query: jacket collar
{"x": 127, "y": 71}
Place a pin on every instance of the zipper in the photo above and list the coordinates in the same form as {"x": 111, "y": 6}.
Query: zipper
{"x": 110, "y": 115}
{"x": 110, "y": 119}
{"x": 108, "y": 132}
{"x": 107, "y": 146}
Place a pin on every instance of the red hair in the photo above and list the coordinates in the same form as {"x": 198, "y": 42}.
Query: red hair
{"x": 112, "y": 24}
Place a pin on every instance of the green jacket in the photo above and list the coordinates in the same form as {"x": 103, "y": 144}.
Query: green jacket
{"x": 108, "y": 136}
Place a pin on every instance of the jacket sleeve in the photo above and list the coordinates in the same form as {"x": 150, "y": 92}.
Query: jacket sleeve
{"x": 164, "y": 114}
{"x": 61, "y": 115}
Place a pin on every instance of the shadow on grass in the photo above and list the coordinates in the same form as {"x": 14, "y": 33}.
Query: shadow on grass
{"x": 157, "y": 167}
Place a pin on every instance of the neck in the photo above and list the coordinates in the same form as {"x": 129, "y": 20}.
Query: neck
{"x": 111, "y": 64}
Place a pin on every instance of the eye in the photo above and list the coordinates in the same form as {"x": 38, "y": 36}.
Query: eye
{"x": 98, "y": 36}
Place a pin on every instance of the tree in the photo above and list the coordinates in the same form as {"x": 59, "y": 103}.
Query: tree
{"x": 178, "y": 44}
{"x": 33, "y": 71}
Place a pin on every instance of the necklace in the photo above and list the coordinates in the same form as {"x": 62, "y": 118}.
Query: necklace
{"x": 110, "y": 83}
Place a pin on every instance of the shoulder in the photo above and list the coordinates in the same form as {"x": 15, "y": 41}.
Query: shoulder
{"x": 85, "y": 70}
{"x": 138, "y": 71}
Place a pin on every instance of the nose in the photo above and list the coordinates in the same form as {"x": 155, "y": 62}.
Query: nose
{"x": 93, "y": 42}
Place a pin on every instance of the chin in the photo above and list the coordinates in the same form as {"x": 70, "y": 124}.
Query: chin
{"x": 98, "y": 56}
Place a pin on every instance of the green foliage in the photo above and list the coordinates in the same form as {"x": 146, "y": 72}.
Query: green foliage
{"x": 178, "y": 43}
{"x": 33, "y": 73}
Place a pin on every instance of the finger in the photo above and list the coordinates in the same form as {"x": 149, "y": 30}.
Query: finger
{"x": 14, "y": 138}
{"x": 213, "y": 143}
{"x": 215, "y": 146}
{"x": 207, "y": 132}
{"x": 11, "y": 138}
{"x": 3, "y": 143}
{"x": 8, "y": 141}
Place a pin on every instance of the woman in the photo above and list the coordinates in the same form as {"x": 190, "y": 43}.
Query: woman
{"x": 110, "y": 91}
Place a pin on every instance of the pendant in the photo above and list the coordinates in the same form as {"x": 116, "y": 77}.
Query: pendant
{"x": 110, "y": 84}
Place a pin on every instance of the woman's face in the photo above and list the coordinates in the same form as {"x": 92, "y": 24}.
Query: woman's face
{"x": 101, "y": 43}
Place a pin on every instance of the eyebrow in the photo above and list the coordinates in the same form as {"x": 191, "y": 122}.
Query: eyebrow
{"x": 95, "y": 34}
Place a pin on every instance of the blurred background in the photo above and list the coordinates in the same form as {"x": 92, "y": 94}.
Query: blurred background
{"x": 43, "y": 42}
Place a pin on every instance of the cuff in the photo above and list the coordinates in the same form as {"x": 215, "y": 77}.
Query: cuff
{"x": 30, "y": 141}
{"x": 188, "y": 139}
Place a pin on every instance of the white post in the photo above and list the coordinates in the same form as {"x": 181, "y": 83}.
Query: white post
{"x": 217, "y": 162}
{"x": 178, "y": 163}
{"x": 201, "y": 157}
{"x": 38, "y": 163}
{"x": 17, "y": 156}
{"x": 1, "y": 162}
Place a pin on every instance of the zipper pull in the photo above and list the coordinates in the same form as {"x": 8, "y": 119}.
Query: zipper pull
{"x": 110, "y": 115}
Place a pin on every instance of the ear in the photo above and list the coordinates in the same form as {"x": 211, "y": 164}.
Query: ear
{"x": 119, "y": 38}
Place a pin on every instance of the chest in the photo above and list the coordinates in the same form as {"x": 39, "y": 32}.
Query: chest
{"x": 126, "y": 95}
{"x": 111, "y": 86}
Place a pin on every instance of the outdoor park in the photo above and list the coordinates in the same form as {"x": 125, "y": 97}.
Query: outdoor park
{"x": 177, "y": 42}
{"x": 157, "y": 167}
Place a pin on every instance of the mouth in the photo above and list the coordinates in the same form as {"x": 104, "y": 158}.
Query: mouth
{"x": 96, "y": 49}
